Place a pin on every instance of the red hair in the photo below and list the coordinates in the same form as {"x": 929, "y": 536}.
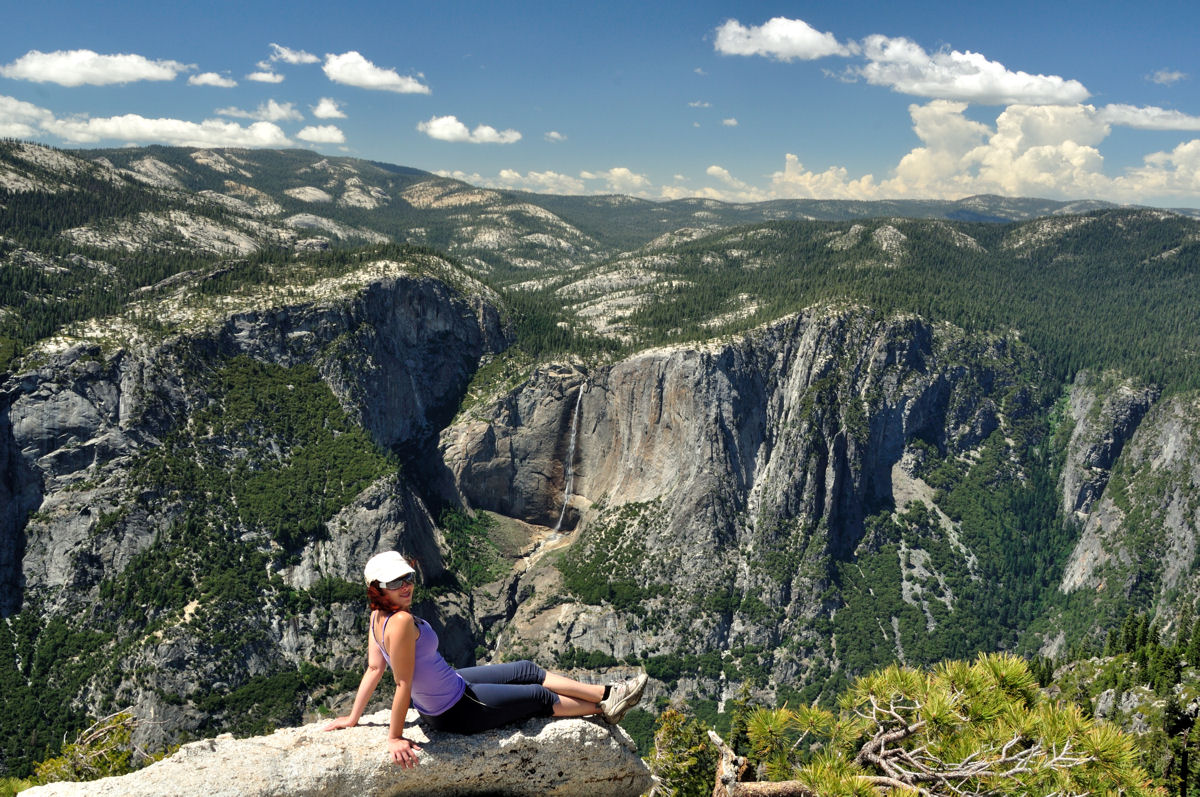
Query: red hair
{"x": 378, "y": 599}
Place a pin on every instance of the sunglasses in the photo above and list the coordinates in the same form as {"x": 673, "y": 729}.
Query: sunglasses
{"x": 403, "y": 581}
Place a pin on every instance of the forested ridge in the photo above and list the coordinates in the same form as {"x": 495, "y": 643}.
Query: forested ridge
{"x": 1085, "y": 291}
{"x": 1112, "y": 289}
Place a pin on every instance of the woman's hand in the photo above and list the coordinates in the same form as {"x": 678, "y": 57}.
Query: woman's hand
{"x": 340, "y": 723}
{"x": 403, "y": 752}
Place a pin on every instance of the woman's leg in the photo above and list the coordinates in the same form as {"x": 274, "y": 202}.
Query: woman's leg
{"x": 574, "y": 707}
{"x": 581, "y": 692}
{"x": 485, "y": 706}
{"x": 526, "y": 672}
{"x": 575, "y": 699}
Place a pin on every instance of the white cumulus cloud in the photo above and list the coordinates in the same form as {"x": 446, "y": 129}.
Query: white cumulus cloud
{"x": 554, "y": 137}
{"x": 212, "y": 79}
{"x": 265, "y": 77}
{"x": 269, "y": 111}
{"x": 20, "y": 119}
{"x": 1174, "y": 173}
{"x": 289, "y": 56}
{"x": 448, "y": 128}
{"x": 904, "y": 66}
{"x": 352, "y": 69}
{"x": 1047, "y": 150}
{"x": 833, "y": 183}
{"x": 730, "y": 122}
{"x": 780, "y": 38}
{"x": 322, "y": 134}
{"x": 327, "y": 108}
{"x": 86, "y": 67}
{"x": 946, "y": 136}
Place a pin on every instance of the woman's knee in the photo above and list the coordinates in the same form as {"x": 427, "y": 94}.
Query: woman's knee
{"x": 530, "y": 672}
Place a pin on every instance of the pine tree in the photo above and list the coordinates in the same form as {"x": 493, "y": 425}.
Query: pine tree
{"x": 982, "y": 728}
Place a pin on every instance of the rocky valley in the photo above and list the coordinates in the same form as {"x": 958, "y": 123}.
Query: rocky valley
{"x": 773, "y": 445}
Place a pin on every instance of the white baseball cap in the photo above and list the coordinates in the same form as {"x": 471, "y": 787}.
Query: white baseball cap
{"x": 387, "y": 567}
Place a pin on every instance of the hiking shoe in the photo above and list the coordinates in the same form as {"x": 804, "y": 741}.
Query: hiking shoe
{"x": 622, "y": 697}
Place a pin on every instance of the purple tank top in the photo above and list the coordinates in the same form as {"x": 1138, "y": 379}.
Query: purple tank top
{"x": 435, "y": 685}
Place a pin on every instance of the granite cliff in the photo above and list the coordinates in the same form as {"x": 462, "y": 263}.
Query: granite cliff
{"x": 715, "y": 488}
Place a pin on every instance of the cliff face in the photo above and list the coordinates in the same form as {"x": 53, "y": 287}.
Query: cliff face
{"x": 718, "y": 486}
{"x": 93, "y": 537}
{"x": 397, "y": 355}
{"x": 1104, "y": 413}
{"x": 1138, "y": 541}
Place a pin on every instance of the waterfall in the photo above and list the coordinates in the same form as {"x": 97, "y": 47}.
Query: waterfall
{"x": 569, "y": 482}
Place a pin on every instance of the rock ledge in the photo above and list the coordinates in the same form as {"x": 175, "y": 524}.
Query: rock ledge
{"x": 542, "y": 757}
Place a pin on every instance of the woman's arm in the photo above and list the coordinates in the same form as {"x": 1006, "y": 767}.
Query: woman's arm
{"x": 401, "y": 641}
{"x": 366, "y": 687}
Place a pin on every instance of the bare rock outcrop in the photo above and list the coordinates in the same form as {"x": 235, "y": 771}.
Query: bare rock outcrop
{"x": 558, "y": 758}
{"x": 1142, "y": 532}
{"x": 1105, "y": 412}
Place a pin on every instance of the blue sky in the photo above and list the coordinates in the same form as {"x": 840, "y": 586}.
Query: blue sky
{"x": 735, "y": 101}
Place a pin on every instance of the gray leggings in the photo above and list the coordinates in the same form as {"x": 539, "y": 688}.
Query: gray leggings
{"x": 496, "y": 695}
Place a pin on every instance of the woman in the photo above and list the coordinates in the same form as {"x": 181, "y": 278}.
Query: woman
{"x": 470, "y": 700}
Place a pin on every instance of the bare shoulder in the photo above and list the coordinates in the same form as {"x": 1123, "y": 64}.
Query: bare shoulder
{"x": 403, "y": 625}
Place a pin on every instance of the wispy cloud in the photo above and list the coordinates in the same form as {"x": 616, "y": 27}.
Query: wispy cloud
{"x": 269, "y": 111}
{"x": 1148, "y": 118}
{"x": 289, "y": 56}
{"x": 548, "y": 182}
{"x": 1166, "y": 77}
{"x": 699, "y": 104}
{"x": 327, "y": 108}
{"x": 730, "y": 122}
{"x": 86, "y": 67}
{"x": 620, "y": 180}
{"x": 779, "y": 38}
{"x": 265, "y": 77}
{"x": 352, "y": 69}
{"x": 448, "y": 128}
{"x": 212, "y": 79}
{"x": 136, "y": 129}
{"x": 26, "y": 120}
{"x": 722, "y": 174}
{"x": 554, "y": 137}
{"x": 322, "y": 134}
